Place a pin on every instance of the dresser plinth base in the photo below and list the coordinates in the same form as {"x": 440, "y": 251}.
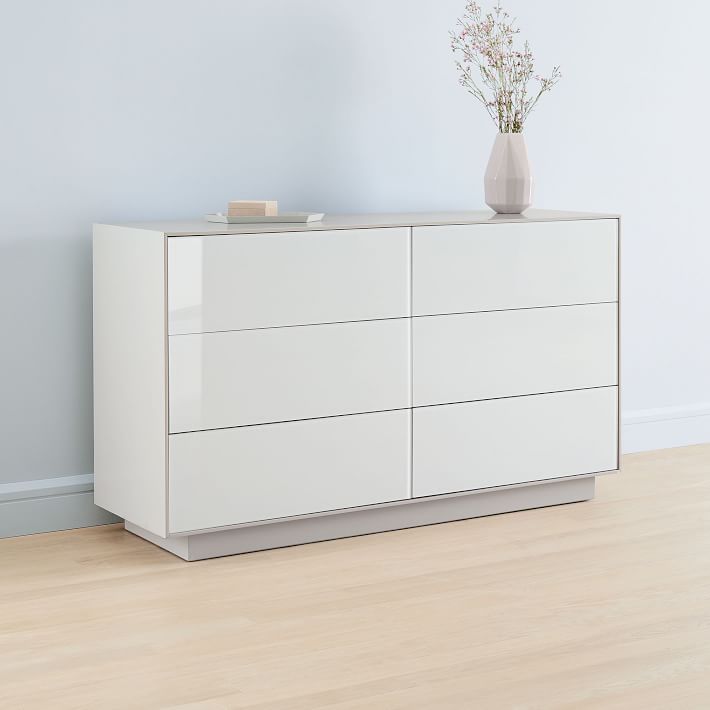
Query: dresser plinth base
{"x": 364, "y": 521}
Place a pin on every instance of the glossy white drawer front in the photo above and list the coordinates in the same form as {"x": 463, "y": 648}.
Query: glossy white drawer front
{"x": 497, "y": 442}
{"x": 247, "y": 474}
{"x": 232, "y": 282}
{"x": 277, "y": 374}
{"x": 504, "y": 353}
{"x": 466, "y": 268}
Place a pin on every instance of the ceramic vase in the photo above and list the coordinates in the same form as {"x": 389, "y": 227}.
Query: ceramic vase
{"x": 508, "y": 182}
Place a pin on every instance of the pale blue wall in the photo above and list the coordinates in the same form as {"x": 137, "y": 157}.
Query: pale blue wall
{"x": 166, "y": 108}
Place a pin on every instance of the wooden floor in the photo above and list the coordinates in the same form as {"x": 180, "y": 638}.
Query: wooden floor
{"x": 596, "y": 605}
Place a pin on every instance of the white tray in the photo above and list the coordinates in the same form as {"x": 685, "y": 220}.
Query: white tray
{"x": 287, "y": 217}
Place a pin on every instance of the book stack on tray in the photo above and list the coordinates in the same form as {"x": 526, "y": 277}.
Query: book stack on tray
{"x": 257, "y": 211}
{"x": 252, "y": 208}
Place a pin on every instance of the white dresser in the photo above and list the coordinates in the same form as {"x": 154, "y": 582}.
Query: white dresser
{"x": 257, "y": 386}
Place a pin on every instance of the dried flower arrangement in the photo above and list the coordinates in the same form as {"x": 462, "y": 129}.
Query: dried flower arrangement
{"x": 493, "y": 70}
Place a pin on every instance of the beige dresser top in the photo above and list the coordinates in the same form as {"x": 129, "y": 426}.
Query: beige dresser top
{"x": 200, "y": 227}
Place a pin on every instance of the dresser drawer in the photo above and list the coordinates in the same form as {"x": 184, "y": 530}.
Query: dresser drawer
{"x": 504, "y": 353}
{"x": 256, "y": 281}
{"x": 247, "y": 474}
{"x": 467, "y": 268}
{"x": 498, "y": 442}
{"x": 277, "y": 374}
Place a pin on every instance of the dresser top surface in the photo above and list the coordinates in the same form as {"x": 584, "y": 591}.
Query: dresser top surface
{"x": 200, "y": 227}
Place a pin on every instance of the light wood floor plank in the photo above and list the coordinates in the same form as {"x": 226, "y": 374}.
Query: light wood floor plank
{"x": 603, "y": 604}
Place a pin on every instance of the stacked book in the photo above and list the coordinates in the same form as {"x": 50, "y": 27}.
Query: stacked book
{"x": 253, "y": 208}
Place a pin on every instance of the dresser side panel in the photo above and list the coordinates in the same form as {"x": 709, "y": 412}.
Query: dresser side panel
{"x": 130, "y": 372}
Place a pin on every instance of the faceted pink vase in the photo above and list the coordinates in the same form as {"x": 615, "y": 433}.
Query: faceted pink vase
{"x": 508, "y": 181}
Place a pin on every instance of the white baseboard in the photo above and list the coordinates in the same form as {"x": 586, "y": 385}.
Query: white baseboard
{"x": 50, "y": 504}
{"x": 665, "y": 427}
